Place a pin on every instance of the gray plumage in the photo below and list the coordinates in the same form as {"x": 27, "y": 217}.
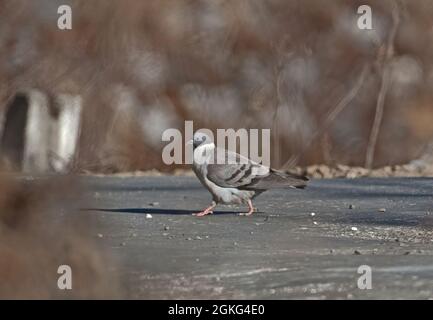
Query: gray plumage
{"x": 234, "y": 179}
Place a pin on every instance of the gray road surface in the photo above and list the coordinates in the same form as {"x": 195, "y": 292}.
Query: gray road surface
{"x": 283, "y": 251}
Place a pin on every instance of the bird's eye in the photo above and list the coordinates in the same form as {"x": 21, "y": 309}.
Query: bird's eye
{"x": 203, "y": 138}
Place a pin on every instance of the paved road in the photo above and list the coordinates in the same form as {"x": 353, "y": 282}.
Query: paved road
{"x": 283, "y": 251}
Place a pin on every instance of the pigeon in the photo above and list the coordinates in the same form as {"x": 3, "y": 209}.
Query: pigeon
{"x": 235, "y": 179}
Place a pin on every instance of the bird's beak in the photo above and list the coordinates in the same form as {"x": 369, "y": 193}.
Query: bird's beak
{"x": 190, "y": 142}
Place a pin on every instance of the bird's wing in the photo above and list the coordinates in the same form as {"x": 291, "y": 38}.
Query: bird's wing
{"x": 242, "y": 173}
{"x": 231, "y": 170}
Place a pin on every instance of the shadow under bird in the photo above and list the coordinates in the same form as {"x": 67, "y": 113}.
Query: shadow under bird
{"x": 234, "y": 179}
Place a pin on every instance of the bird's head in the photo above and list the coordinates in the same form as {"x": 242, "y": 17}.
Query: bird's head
{"x": 200, "y": 138}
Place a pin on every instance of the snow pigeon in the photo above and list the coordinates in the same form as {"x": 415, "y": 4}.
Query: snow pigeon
{"x": 235, "y": 179}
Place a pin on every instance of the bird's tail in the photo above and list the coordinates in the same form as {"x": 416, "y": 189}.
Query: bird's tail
{"x": 290, "y": 179}
{"x": 279, "y": 179}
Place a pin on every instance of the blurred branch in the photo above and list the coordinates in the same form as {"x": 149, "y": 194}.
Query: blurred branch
{"x": 278, "y": 69}
{"x": 276, "y": 136}
{"x": 331, "y": 116}
{"x": 380, "y": 105}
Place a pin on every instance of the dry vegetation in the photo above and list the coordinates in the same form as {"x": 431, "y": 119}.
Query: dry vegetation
{"x": 41, "y": 229}
{"x": 331, "y": 93}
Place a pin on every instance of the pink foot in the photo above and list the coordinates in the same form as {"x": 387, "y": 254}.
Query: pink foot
{"x": 206, "y": 211}
{"x": 250, "y": 211}
{"x": 203, "y": 213}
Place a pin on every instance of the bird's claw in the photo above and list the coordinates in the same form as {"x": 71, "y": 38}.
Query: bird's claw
{"x": 202, "y": 214}
{"x": 248, "y": 213}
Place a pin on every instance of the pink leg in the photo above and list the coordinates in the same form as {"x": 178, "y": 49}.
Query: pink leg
{"x": 206, "y": 211}
{"x": 251, "y": 209}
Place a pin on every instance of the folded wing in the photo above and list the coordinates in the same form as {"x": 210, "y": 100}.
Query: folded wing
{"x": 236, "y": 171}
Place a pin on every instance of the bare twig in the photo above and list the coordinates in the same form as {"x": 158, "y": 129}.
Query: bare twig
{"x": 326, "y": 149}
{"x": 377, "y": 119}
{"x": 380, "y": 105}
{"x": 331, "y": 116}
{"x": 277, "y": 154}
{"x": 385, "y": 80}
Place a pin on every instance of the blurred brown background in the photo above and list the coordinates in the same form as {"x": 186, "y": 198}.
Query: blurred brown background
{"x": 98, "y": 97}
{"x": 330, "y": 92}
